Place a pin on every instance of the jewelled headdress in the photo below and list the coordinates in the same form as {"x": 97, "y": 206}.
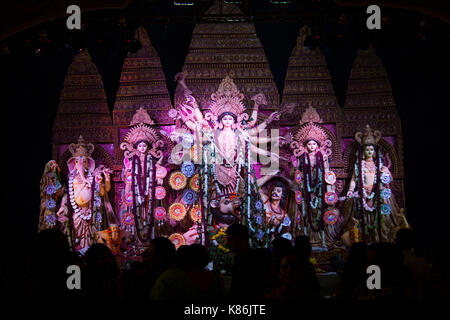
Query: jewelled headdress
{"x": 141, "y": 131}
{"x": 226, "y": 99}
{"x": 81, "y": 149}
{"x": 368, "y": 136}
{"x": 311, "y": 130}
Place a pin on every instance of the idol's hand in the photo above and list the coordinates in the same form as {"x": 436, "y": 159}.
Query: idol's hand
{"x": 191, "y": 235}
{"x": 350, "y": 194}
{"x": 273, "y": 116}
{"x": 60, "y": 211}
{"x": 179, "y": 77}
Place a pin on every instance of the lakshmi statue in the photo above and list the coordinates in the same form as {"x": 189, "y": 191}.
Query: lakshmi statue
{"x": 142, "y": 173}
{"x": 52, "y": 192}
{"x": 316, "y": 196}
{"x": 370, "y": 209}
{"x": 86, "y": 207}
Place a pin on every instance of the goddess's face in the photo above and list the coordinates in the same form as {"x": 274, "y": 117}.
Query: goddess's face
{"x": 277, "y": 193}
{"x": 369, "y": 151}
{"x": 142, "y": 147}
{"x": 227, "y": 121}
{"x": 311, "y": 146}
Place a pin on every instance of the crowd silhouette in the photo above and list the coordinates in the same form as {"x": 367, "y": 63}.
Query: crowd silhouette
{"x": 283, "y": 272}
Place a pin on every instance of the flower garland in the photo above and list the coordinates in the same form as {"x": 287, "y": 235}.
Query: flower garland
{"x": 313, "y": 184}
{"x": 76, "y": 209}
{"x": 142, "y": 184}
{"x": 371, "y": 217}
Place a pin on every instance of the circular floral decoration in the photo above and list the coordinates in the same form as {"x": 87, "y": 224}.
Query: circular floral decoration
{"x": 194, "y": 182}
{"x": 188, "y": 169}
{"x": 160, "y": 192}
{"x": 128, "y": 219}
{"x": 331, "y": 198}
{"x": 161, "y": 172}
{"x": 177, "y": 180}
{"x": 260, "y": 234}
{"x": 189, "y": 196}
{"x": 330, "y": 217}
{"x": 196, "y": 214}
{"x": 177, "y": 239}
{"x": 160, "y": 213}
{"x": 187, "y": 140}
{"x": 385, "y": 209}
{"x": 259, "y": 219}
{"x": 286, "y": 221}
{"x": 287, "y": 235}
{"x": 50, "y": 190}
{"x": 330, "y": 177}
{"x": 385, "y": 178}
{"x": 386, "y": 193}
{"x": 128, "y": 178}
{"x": 50, "y": 219}
{"x": 50, "y": 204}
{"x": 128, "y": 198}
{"x": 298, "y": 176}
{"x": 258, "y": 205}
{"x": 298, "y": 197}
{"x": 177, "y": 211}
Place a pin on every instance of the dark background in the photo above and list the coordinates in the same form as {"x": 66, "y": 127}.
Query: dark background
{"x": 418, "y": 69}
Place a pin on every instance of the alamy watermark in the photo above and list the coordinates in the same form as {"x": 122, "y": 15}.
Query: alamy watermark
{"x": 244, "y": 149}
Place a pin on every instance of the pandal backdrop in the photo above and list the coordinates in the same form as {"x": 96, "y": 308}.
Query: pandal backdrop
{"x": 227, "y": 151}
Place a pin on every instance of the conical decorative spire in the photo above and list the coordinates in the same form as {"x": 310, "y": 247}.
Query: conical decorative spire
{"x": 83, "y": 108}
{"x": 218, "y": 50}
{"x": 142, "y": 84}
{"x": 308, "y": 81}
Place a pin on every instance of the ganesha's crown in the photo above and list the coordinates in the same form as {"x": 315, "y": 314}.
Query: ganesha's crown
{"x": 81, "y": 149}
{"x": 368, "y": 136}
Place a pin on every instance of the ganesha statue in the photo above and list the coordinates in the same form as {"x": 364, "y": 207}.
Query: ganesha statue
{"x": 86, "y": 205}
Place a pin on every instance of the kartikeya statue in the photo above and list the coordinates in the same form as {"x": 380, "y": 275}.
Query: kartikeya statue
{"x": 371, "y": 212}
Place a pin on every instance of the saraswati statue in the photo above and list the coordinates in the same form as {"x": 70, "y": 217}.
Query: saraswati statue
{"x": 370, "y": 209}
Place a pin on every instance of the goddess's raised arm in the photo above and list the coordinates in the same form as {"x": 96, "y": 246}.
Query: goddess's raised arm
{"x": 263, "y": 125}
{"x": 190, "y": 102}
{"x": 258, "y": 99}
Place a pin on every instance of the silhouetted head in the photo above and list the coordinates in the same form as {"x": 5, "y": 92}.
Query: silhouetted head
{"x": 405, "y": 239}
{"x": 237, "y": 237}
{"x": 101, "y": 261}
{"x": 302, "y": 247}
{"x": 159, "y": 254}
